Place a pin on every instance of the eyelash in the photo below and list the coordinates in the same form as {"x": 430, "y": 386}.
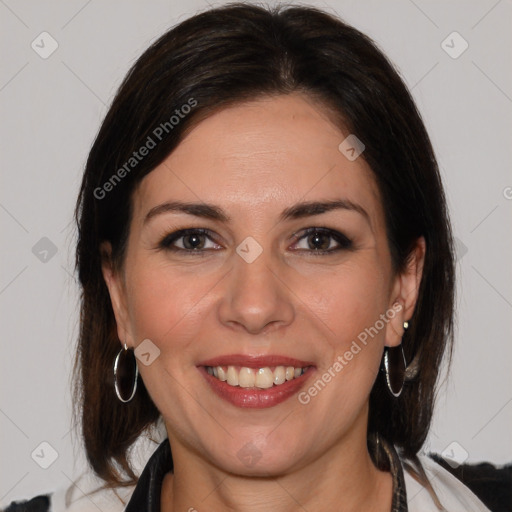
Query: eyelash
{"x": 344, "y": 242}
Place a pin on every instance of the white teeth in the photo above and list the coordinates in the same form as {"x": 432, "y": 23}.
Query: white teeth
{"x": 265, "y": 378}
{"x": 279, "y": 375}
{"x": 232, "y": 379}
{"x": 262, "y": 378}
{"x": 221, "y": 374}
{"x": 246, "y": 377}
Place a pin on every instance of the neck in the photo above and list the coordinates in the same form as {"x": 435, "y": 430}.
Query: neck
{"x": 342, "y": 479}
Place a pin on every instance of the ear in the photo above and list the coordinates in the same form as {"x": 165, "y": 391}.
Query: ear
{"x": 405, "y": 294}
{"x": 116, "y": 288}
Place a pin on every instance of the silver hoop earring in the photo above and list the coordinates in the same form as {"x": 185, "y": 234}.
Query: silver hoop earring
{"x": 126, "y": 374}
{"x": 395, "y": 367}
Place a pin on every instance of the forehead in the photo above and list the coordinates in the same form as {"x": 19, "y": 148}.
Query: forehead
{"x": 273, "y": 152}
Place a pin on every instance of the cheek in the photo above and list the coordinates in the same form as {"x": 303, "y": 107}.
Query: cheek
{"x": 347, "y": 300}
{"x": 349, "y": 303}
{"x": 168, "y": 308}
{"x": 165, "y": 305}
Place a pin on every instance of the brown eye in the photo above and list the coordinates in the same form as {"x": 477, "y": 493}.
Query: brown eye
{"x": 193, "y": 241}
{"x": 323, "y": 240}
{"x": 319, "y": 241}
{"x": 189, "y": 240}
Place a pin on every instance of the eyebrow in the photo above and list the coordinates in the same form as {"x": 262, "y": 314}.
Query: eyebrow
{"x": 297, "y": 211}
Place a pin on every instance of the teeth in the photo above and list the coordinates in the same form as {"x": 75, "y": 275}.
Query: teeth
{"x": 279, "y": 375}
{"x": 265, "y": 378}
{"x": 221, "y": 374}
{"x": 262, "y": 378}
{"x": 246, "y": 378}
{"x": 232, "y": 379}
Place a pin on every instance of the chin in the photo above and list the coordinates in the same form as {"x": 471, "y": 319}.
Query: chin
{"x": 246, "y": 458}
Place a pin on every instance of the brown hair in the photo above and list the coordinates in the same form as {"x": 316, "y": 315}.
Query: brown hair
{"x": 217, "y": 58}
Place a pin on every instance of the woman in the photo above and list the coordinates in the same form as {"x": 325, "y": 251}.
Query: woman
{"x": 267, "y": 267}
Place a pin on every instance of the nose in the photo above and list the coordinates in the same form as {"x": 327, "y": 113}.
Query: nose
{"x": 256, "y": 297}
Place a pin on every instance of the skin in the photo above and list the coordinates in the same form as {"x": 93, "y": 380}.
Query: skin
{"x": 254, "y": 160}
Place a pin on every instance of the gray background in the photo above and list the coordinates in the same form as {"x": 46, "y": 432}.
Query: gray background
{"x": 51, "y": 110}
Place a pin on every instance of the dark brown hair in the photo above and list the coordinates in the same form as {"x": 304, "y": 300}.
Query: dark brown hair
{"x": 222, "y": 57}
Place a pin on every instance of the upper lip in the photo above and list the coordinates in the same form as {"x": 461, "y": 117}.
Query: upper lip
{"x": 252, "y": 361}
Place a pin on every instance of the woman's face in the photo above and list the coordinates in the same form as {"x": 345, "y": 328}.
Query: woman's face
{"x": 257, "y": 291}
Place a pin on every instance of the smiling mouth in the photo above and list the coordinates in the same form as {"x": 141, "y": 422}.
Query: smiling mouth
{"x": 261, "y": 378}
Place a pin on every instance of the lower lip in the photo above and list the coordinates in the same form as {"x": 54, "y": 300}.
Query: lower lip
{"x": 256, "y": 398}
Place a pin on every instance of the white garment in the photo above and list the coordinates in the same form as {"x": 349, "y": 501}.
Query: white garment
{"x": 81, "y": 497}
{"x": 453, "y": 494}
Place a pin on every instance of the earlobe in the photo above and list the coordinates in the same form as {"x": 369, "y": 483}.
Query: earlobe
{"x": 394, "y": 327}
{"x": 115, "y": 287}
{"x": 410, "y": 279}
{"x": 405, "y": 292}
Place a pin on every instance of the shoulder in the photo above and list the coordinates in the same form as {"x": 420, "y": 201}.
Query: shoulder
{"x": 457, "y": 488}
{"x": 40, "y": 503}
{"x": 86, "y": 494}
{"x": 491, "y": 483}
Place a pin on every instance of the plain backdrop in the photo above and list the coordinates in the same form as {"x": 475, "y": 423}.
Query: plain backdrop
{"x": 51, "y": 109}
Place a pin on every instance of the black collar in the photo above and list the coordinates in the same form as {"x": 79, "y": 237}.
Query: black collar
{"x": 146, "y": 496}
